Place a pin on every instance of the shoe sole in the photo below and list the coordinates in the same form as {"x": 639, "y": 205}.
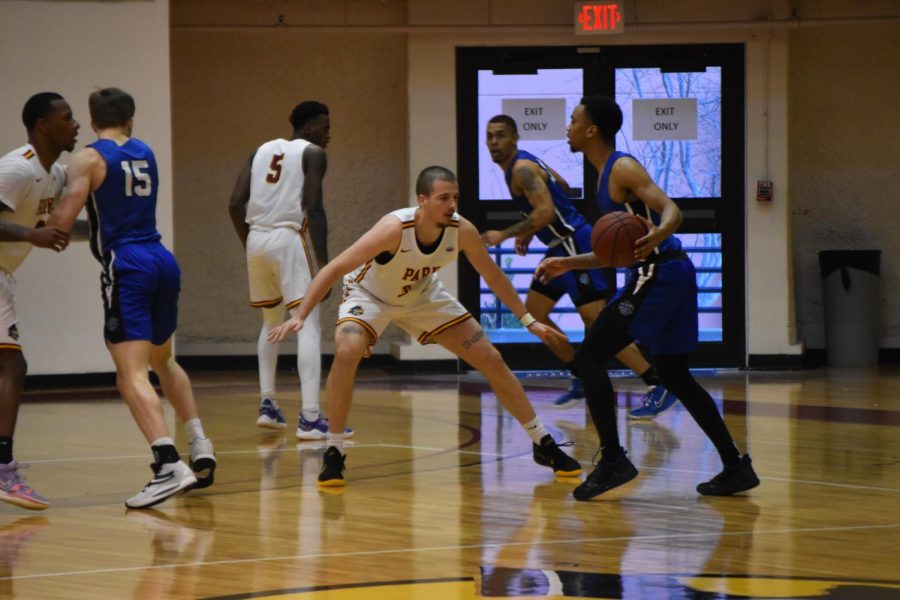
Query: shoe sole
{"x": 607, "y": 488}
{"x": 24, "y": 502}
{"x": 179, "y": 490}
{"x": 731, "y": 493}
{"x": 642, "y": 417}
{"x": 201, "y": 465}
{"x": 310, "y": 436}
{"x": 567, "y": 403}
{"x": 568, "y": 473}
{"x": 540, "y": 460}
{"x": 331, "y": 483}
{"x": 271, "y": 425}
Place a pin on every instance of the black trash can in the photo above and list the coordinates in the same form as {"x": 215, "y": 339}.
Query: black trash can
{"x": 850, "y": 287}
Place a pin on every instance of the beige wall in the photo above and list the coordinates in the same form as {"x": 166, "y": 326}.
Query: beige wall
{"x": 232, "y": 90}
{"x": 387, "y": 70}
{"x": 421, "y": 36}
{"x": 845, "y": 160}
{"x": 73, "y": 48}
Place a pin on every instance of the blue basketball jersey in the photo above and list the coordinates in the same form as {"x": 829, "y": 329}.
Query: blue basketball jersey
{"x": 607, "y": 204}
{"x": 123, "y": 209}
{"x": 568, "y": 219}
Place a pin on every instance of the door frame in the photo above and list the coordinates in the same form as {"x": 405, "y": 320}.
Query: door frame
{"x": 701, "y": 215}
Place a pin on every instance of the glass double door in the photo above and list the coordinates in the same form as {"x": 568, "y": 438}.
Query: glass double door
{"x": 683, "y": 120}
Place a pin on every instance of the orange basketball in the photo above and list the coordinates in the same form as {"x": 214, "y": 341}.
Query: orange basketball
{"x": 613, "y": 238}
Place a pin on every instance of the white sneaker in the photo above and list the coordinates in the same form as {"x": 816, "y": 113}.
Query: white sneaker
{"x": 203, "y": 461}
{"x": 168, "y": 479}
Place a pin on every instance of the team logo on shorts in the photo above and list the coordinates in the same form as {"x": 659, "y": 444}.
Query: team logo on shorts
{"x": 584, "y": 278}
{"x": 626, "y": 308}
{"x": 112, "y": 324}
{"x": 13, "y": 331}
{"x": 356, "y": 310}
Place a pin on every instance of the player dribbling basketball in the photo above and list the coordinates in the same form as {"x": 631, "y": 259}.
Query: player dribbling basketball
{"x": 657, "y": 306}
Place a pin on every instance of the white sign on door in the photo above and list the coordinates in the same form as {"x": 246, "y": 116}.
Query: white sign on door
{"x": 539, "y": 118}
{"x": 664, "y": 119}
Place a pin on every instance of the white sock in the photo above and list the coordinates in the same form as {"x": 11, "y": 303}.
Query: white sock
{"x": 336, "y": 440}
{"x": 309, "y": 364}
{"x": 163, "y": 441}
{"x": 535, "y": 430}
{"x": 194, "y": 429}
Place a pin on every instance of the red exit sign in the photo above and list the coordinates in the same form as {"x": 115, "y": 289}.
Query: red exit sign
{"x": 598, "y": 18}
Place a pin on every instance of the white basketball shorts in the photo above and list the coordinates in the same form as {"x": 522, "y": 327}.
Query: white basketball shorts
{"x": 433, "y": 312}
{"x": 279, "y": 267}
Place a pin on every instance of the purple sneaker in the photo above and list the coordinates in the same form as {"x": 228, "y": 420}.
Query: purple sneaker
{"x": 316, "y": 430}
{"x": 270, "y": 416}
{"x": 14, "y": 490}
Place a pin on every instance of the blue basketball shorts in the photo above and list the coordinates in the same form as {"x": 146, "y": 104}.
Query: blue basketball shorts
{"x": 582, "y": 287}
{"x": 658, "y": 305}
{"x": 140, "y": 285}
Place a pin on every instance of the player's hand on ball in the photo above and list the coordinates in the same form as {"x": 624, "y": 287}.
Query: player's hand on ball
{"x": 550, "y": 268}
{"x": 280, "y": 332}
{"x": 645, "y": 245}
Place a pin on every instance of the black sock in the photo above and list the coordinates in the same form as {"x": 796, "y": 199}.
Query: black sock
{"x": 571, "y": 367}
{"x": 165, "y": 453}
{"x": 5, "y": 450}
{"x": 611, "y": 454}
{"x": 677, "y": 378}
{"x": 651, "y": 376}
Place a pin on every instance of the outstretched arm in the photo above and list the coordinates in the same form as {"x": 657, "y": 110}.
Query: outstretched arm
{"x": 470, "y": 243}
{"x": 315, "y": 163}
{"x": 237, "y": 205}
{"x": 527, "y": 178}
{"x": 383, "y": 237}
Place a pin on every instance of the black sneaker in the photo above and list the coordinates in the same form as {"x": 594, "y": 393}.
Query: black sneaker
{"x": 606, "y": 476}
{"x": 548, "y": 454}
{"x": 731, "y": 480}
{"x": 332, "y": 473}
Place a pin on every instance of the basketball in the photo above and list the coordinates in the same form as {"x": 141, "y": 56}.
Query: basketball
{"x": 613, "y": 238}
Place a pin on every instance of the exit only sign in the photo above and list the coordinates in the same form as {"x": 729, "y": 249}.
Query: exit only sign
{"x": 599, "y": 18}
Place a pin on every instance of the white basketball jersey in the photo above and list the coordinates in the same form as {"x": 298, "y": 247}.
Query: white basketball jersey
{"x": 276, "y": 186}
{"x": 28, "y": 193}
{"x": 403, "y": 277}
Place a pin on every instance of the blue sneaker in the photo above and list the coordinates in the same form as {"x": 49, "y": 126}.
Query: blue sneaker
{"x": 270, "y": 416}
{"x": 656, "y": 401}
{"x": 571, "y": 397}
{"x": 316, "y": 430}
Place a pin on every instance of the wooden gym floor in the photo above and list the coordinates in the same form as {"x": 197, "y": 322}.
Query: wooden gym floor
{"x": 443, "y": 500}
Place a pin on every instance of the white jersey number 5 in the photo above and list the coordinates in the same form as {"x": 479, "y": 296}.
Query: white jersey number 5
{"x": 137, "y": 181}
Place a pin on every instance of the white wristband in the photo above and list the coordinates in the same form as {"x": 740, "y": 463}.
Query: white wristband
{"x": 527, "y": 320}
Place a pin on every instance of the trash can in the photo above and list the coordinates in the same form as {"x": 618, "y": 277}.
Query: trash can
{"x": 850, "y": 287}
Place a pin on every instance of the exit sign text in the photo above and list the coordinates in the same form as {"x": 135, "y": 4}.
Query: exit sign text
{"x": 598, "y": 18}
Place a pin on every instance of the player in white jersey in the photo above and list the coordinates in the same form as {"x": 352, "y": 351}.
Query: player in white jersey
{"x": 30, "y": 183}
{"x": 393, "y": 280}
{"x": 277, "y": 211}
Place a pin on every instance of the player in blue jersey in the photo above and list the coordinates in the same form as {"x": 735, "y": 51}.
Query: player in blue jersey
{"x": 657, "y": 306}
{"x": 541, "y": 195}
{"x": 140, "y": 282}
